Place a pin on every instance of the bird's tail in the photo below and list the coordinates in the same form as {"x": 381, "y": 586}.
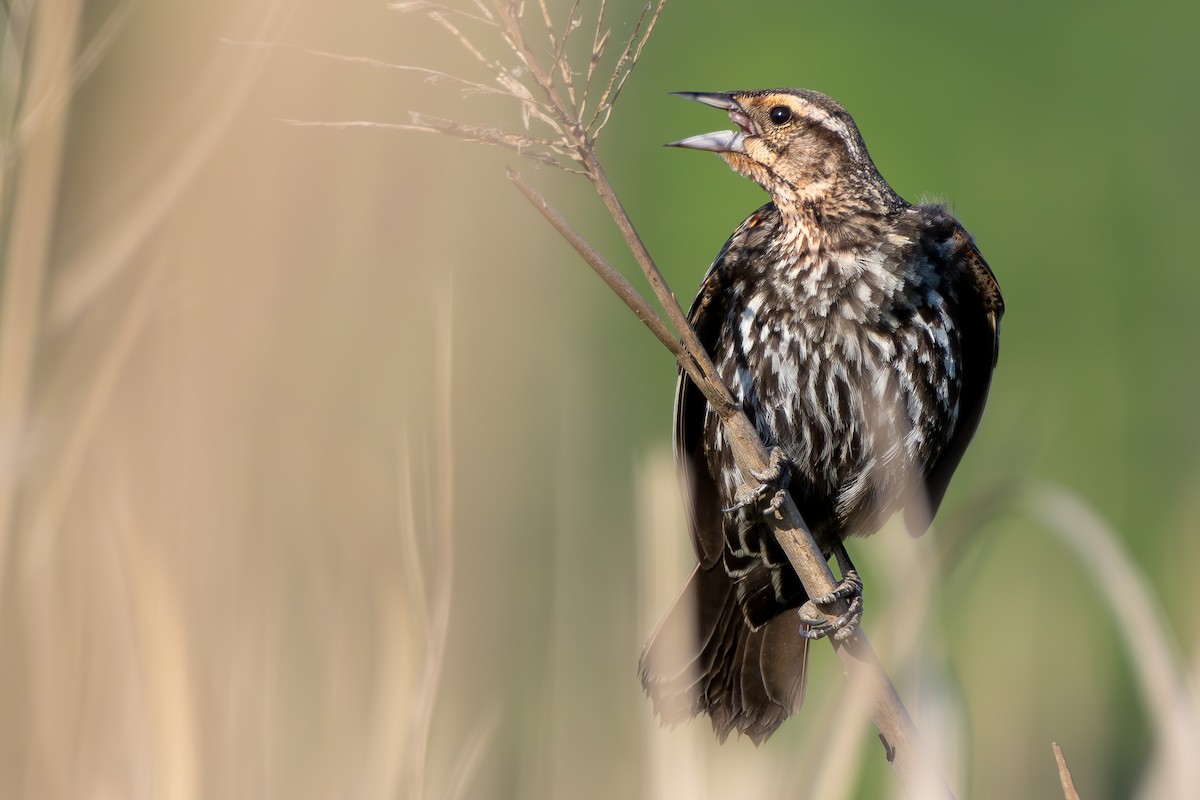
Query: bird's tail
{"x": 706, "y": 658}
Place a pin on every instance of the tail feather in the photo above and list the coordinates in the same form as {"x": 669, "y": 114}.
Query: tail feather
{"x": 705, "y": 658}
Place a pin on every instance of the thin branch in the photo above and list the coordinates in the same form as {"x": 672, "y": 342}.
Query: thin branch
{"x": 607, "y": 272}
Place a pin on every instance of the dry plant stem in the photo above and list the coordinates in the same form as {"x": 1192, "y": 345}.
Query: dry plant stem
{"x": 1064, "y": 774}
{"x": 858, "y": 657}
{"x": 32, "y": 160}
{"x": 607, "y": 272}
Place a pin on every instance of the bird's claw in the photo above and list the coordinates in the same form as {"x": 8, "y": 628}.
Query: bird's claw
{"x": 850, "y": 586}
{"x": 775, "y": 476}
{"x": 817, "y": 626}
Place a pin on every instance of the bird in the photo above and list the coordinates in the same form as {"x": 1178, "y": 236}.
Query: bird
{"x": 859, "y": 333}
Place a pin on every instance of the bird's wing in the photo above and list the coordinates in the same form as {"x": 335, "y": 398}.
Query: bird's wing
{"x": 980, "y": 308}
{"x": 708, "y": 315}
{"x": 701, "y": 501}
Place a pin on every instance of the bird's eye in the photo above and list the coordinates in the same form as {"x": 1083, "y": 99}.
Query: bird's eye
{"x": 780, "y": 115}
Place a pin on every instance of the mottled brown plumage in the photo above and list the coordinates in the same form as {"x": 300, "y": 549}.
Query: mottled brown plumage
{"x": 859, "y": 333}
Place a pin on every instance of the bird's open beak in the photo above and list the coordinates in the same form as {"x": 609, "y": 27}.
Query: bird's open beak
{"x": 718, "y": 141}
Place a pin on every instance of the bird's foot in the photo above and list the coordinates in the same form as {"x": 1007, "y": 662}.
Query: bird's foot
{"x": 850, "y": 589}
{"x": 772, "y": 480}
{"x": 842, "y": 627}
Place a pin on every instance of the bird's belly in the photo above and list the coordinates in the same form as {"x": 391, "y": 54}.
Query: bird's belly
{"x": 854, "y": 415}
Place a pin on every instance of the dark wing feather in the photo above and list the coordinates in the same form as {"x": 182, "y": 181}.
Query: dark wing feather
{"x": 700, "y": 498}
{"x": 980, "y": 308}
{"x": 707, "y": 316}
{"x": 706, "y": 656}
{"x": 705, "y": 659}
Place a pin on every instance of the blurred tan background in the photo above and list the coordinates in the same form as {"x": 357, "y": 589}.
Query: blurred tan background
{"x": 329, "y": 472}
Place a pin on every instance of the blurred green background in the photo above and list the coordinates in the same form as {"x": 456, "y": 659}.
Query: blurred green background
{"x": 329, "y": 471}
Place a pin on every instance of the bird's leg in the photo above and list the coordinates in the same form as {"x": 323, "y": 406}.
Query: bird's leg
{"x": 850, "y": 588}
{"x": 775, "y": 476}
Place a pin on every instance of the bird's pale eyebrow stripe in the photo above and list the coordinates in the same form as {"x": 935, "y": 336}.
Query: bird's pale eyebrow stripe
{"x": 834, "y": 125}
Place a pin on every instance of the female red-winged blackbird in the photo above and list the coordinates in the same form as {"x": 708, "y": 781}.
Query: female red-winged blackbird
{"x": 859, "y": 333}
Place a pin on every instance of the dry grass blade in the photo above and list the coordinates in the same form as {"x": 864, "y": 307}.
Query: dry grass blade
{"x": 513, "y": 31}
{"x": 599, "y": 41}
{"x": 562, "y": 107}
{"x": 556, "y": 151}
{"x": 558, "y": 43}
{"x": 46, "y": 104}
{"x": 470, "y": 754}
{"x": 432, "y": 75}
{"x": 525, "y": 146}
{"x": 501, "y": 74}
{"x": 428, "y": 544}
{"x": 464, "y": 40}
{"x": 624, "y": 68}
{"x": 46, "y": 523}
{"x": 35, "y": 108}
{"x": 359, "y": 123}
{"x": 423, "y": 6}
{"x": 1064, "y": 774}
{"x": 168, "y": 172}
{"x": 1171, "y": 699}
{"x": 421, "y": 605}
{"x": 165, "y": 663}
{"x": 549, "y": 23}
{"x": 560, "y": 47}
{"x": 530, "y": 107}
{"x": 633, "y": 59}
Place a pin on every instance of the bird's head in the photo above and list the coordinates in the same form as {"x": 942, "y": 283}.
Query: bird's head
{"x": 799, "y": 145}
